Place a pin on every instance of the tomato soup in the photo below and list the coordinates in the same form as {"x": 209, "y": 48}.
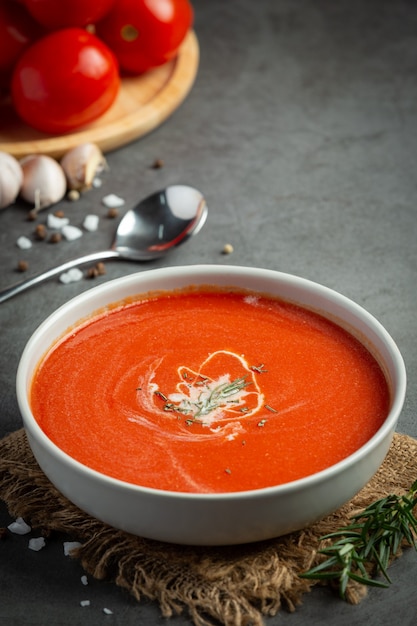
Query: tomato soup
{"x": 205, "y": 390}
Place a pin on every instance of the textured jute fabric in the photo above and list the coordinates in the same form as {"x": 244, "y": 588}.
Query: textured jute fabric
{"x": 234, "y": 586}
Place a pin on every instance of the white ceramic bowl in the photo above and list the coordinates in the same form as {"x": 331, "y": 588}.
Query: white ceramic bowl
{"x": 214, "y": 519}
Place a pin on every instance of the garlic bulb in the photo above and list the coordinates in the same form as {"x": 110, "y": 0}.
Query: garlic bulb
{"x": 44, "y": 181}
{"x": 81, "y": 164}
{"x": 11, "y": 178}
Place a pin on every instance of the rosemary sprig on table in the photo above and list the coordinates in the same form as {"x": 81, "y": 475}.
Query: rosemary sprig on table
{"x": 365, "y": 548}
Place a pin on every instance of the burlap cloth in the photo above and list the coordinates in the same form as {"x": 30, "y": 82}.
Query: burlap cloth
{"x": 234, "y": 586}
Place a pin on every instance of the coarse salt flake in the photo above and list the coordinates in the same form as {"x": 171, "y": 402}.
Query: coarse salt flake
{"x": 36, "y": 543}
{"x": 71, "y": 232}
{"x": 55, "y": 222}
{"x": 72, "y": 276}
{"x": 84, "y": 580}
{"x": 85, "y": 603}
{"x": 24, "y": 243}
{"x": 107, "y": 611}
{"x": 69, "y": 546}
{"x": 97, "y": 183}
{"x": 112, "y": 201}
{"x": 19, "y": 527}
{"x": 91, "y": 223}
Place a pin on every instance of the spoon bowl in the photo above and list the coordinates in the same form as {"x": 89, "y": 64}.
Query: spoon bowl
{"x": 160, "y": 222}
{"x": 150, "y": 230}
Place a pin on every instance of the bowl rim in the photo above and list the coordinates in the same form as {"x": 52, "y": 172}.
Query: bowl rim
{"x": 33, "y": 429}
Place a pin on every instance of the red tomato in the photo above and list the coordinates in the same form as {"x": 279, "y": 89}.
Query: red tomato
{"x": 17, "y": 31}
{"x": 64, "y": 80}
{"x": 56, "y": 14}
{"x": 145, "y": 33}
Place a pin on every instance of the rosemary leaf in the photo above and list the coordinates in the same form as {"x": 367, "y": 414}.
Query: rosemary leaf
{"x": 369, "y": 582}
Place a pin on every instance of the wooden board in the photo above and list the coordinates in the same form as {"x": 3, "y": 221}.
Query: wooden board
{"x": 143, "y": 103}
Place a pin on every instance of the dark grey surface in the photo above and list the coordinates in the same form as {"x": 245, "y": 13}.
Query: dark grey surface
{"x": 301, "y": 130}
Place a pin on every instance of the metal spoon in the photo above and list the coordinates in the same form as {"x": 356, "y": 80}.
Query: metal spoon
{"x": 158, "y": 223}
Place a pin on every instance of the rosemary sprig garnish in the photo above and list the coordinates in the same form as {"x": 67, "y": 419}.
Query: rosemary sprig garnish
{"x": 365, "y": 548}
{"x": 209, "y": 399}
{"x": 218, "y": 396}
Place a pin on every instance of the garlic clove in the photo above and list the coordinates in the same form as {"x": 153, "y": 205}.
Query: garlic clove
{"x": 81, "y": 164}
{"x": 44, "y": 181}
{"x": 11, "y": 178}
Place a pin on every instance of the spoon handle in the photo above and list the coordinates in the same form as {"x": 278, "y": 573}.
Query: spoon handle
{"x": 9, "y": 292}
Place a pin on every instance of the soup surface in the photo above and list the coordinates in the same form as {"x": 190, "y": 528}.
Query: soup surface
{"x": 209, "y": 391}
